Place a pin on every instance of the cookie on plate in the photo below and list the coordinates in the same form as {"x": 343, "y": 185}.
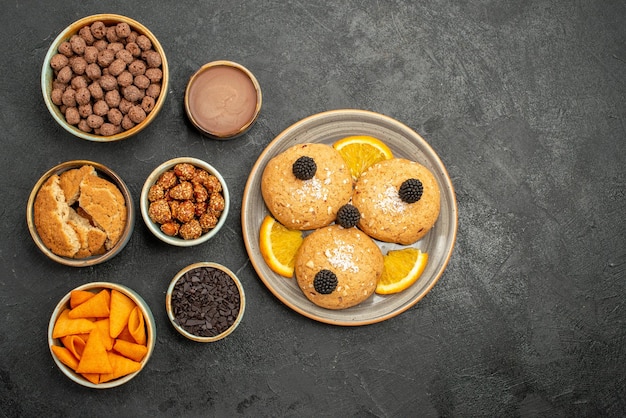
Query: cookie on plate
{"x": 399, "y": 201}
{"x": 304, "y": 186}
{"x": 337, "y": 267}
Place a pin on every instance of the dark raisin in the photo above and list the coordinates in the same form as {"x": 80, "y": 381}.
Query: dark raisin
{"x": 304, "y": 168}
{"x": 325, "y": 282}
{"x": 348, "y": 216}
{"x": 411, "y": 190}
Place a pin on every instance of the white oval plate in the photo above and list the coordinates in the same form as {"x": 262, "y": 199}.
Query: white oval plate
{"x": 328, "y": 127}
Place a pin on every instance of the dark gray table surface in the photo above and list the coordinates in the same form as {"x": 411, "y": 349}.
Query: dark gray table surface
{"x": 524, "y": 101}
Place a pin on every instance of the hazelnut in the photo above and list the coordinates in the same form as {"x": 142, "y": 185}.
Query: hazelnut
{"x": 105, "y": 57}
{"x": 137, "y": 114}
{"x": 57, "y": 96}
{"x": 78, "y": 44}
{"x": 66, "y": 49}
{"x": 122, "y": 30}
{"x": 137, "y": 67}
{"x": 147, "y": 104}
{"x": 58, "y": 61}
{"x": 142, "y": 82}
{"x": 153, "y": 90}
{"x": 108, "y": 82}
{"x": 65, "y": 74}
{"x": 101, "y": 44}
{"x": 78, "y": 64}
{"x": 152, "y": 58}
{"x": 143, "y": 42}
{"x": 112, "y": 98}
{"x": 125, "y": 79}
{"x": 93, "y": 71}
{"x": 154, "y": 74}
{"x": 115, "y": 116}
{"x": 98, "y": 30}
{"x": 71, "y": 116}
{"x": 134, "y": 49}
{"x": 125, "y": 56}
{"x": 108, "y": 129}
{"x": 69, "y": 97}
{"x": 96, "y": 90}
{"x": 111, "y": 35}
{"x": 117, "y": 66}
{"x": 132, "y": 93}
{"x": 85, "y": 110}
{"x": 79, "y": 82}
{"x": 95, "y": 121}
{"x": 127, "y": 123}
{"x": 85, "y": 33}
{"x": 100, "y": 108}
{"x": 83, "y": 96}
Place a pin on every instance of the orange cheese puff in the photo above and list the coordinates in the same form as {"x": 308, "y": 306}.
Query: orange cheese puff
{"x": 122, "y": 366}
{"x": 66, "y": 326}
{"x": 95, "y": 307}
{"x": 79, "y": 296}
{"x": 131, "y": 350}
{"x": 92, "y": 377}
{"x": 121, "y": 305}
{"x": 75, "y": 344}
{"x": 65, "y": 356}
{"x": 136, "y": 326}
{"x": 103, "y": 326}
{"x": 94, "y": 358}
{"x": 126, "y": 336}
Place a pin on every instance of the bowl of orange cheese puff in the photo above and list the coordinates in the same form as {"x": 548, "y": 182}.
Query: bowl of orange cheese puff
{"x": 101, "y": 335}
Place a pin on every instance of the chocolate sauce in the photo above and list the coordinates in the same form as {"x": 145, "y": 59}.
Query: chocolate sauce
{"x": 221, "y": 100}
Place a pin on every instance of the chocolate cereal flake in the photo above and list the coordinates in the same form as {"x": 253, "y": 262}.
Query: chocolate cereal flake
{"x": 205, "y": 301}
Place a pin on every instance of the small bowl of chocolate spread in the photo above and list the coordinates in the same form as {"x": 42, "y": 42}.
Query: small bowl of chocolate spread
{"x": 223, "y": 99}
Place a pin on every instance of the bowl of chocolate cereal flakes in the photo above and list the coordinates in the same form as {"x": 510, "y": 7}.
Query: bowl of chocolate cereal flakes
{"x": 184, "y": 201}
{"x": 205, "y": 302}
{"x": 105, "y": 78}
{"x": 80, "y": 213}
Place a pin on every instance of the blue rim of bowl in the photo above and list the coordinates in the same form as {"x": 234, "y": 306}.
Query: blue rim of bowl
{"x": 47, "y": 73}
{"x": 152, "y": 178}
{"x": 148, "y": 317}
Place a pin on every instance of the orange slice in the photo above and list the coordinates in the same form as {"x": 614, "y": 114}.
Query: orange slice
{"x": 402, "y": 268}
{"x": 279, "y": 245}
{"x": 362, "y": 151}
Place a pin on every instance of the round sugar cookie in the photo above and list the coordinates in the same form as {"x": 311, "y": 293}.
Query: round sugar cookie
{"x": 384, "y": 215}
{"x": 306, "y": 204}
{"x": 351, "y": 255}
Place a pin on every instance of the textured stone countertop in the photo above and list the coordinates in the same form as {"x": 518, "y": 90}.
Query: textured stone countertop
{"x": 525, "y": 103}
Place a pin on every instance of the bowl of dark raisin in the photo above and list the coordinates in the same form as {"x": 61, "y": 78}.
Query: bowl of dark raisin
{"x": 205, "y": 302}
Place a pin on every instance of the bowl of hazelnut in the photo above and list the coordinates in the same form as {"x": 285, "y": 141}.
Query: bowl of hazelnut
{"x": 80, "y": 213}
{"x": 184, "y": 201}
{"x": 105, "y": 78}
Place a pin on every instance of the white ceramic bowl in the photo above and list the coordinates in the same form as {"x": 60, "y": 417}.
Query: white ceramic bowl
{"x": 145, "y": 203}
{"x": 47, "y": 76}
{"x": 103, "y": 172}
{"x": 170, "y": 308}
{"x": 150, "y": 327}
